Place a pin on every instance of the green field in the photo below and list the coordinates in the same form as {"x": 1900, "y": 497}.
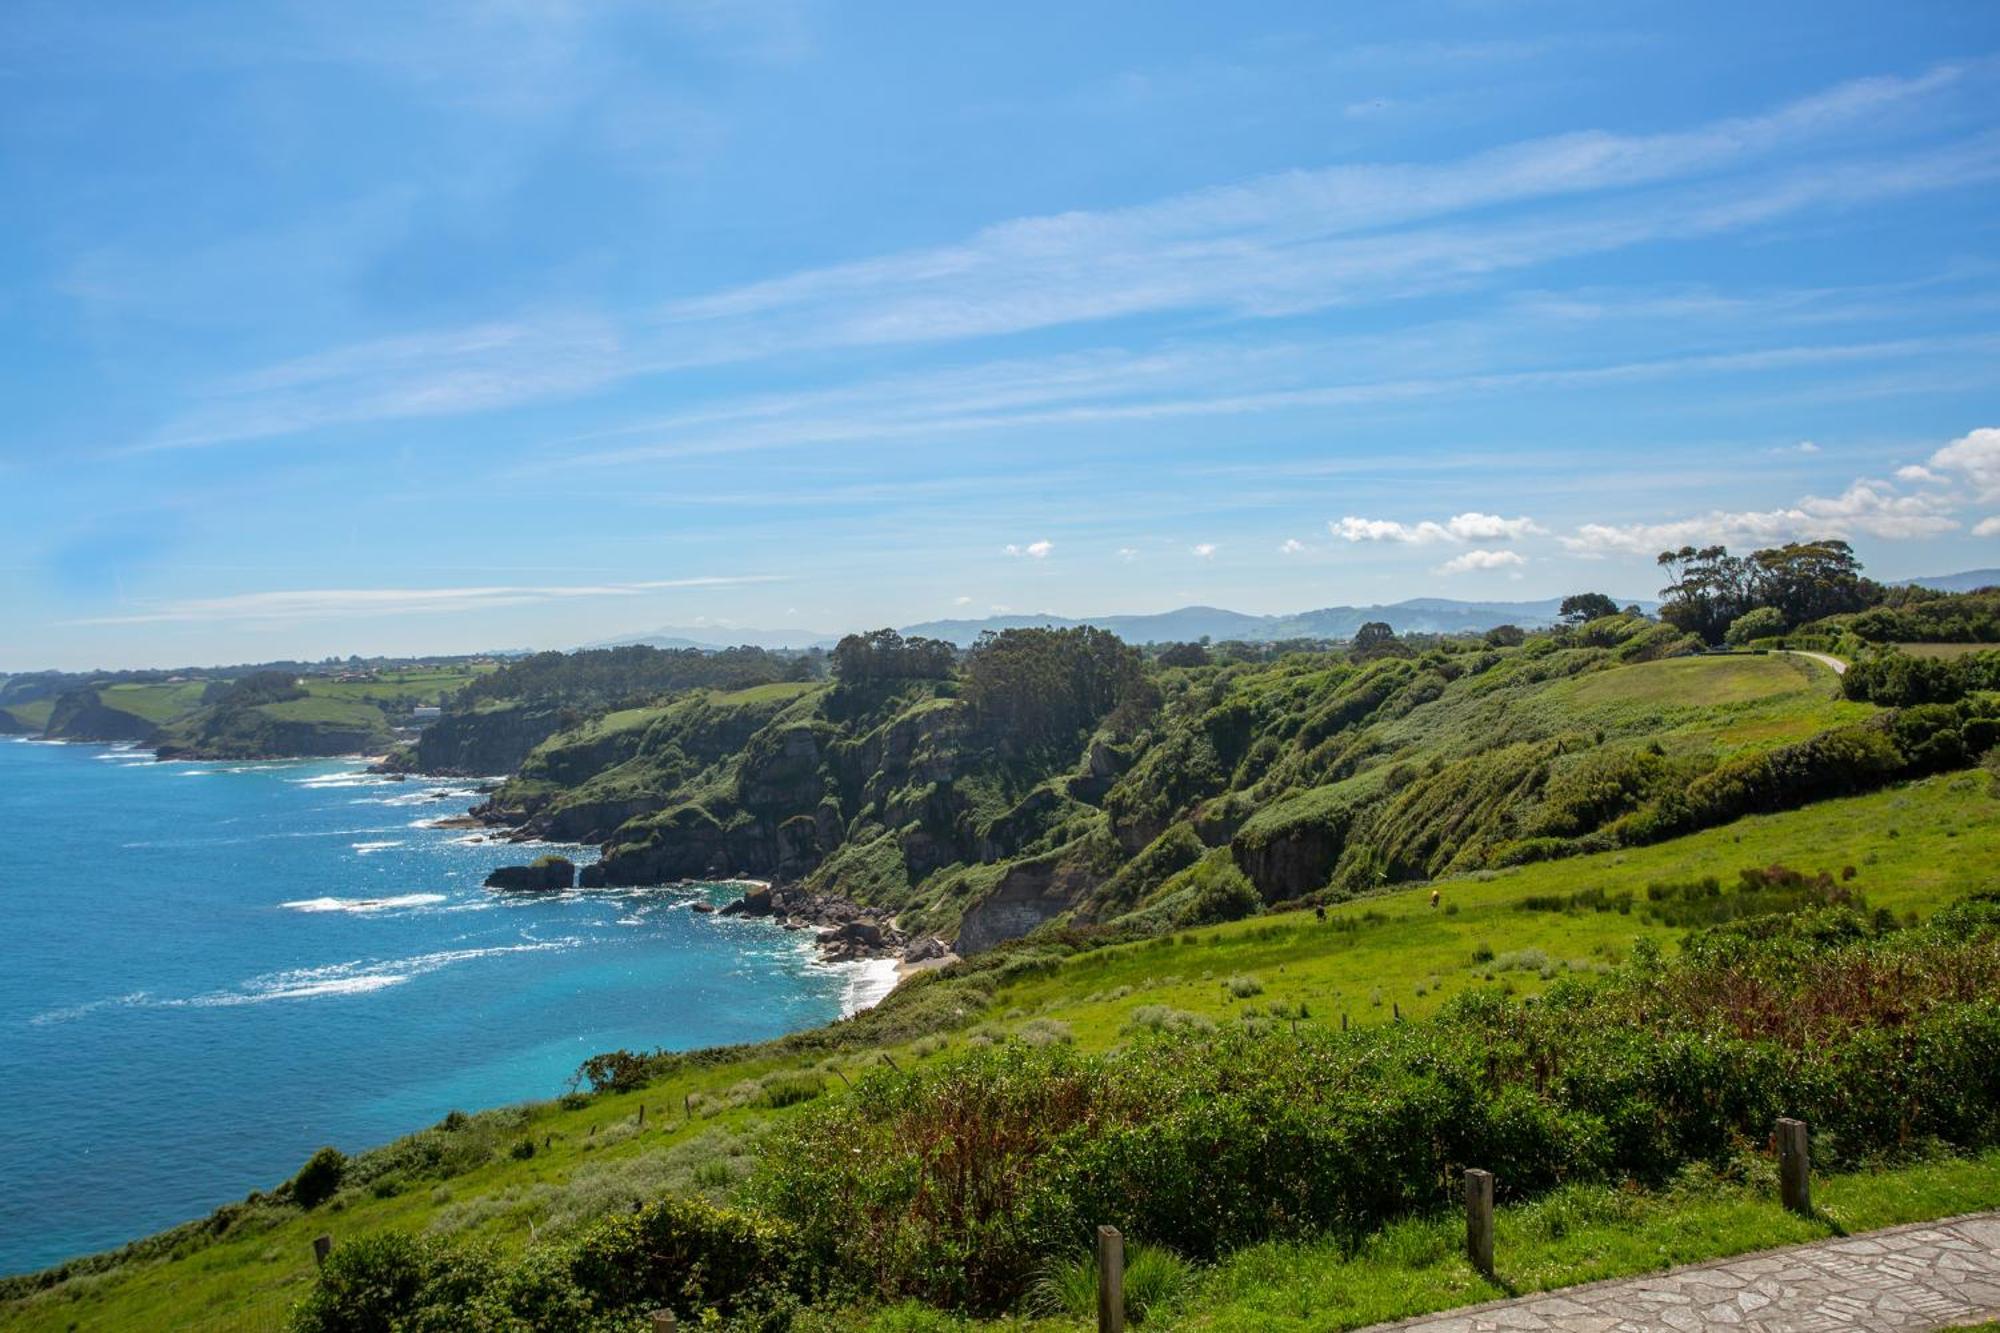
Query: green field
{"x": 34, "y": 714}
{"x": 1946, "y": 649}
{"x": 326, "y": 711}
{"x": 156, "y": 703}
{"x": 1914, "y": 847}
{"x": 411, "y": 687}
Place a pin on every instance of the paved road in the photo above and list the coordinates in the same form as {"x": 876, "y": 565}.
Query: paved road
{"x": 1839, "y": 667}
{"x": 1919, "y": 1277}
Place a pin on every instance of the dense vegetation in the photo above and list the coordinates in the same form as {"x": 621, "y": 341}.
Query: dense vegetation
{"x": 958, "y": 1183}
{"x": 1060, "y": 774}
{"x": 597, "y": 678}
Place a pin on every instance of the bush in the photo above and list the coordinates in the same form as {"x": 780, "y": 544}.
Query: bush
{"x": 1763, "y": 622}
{"x": 957, "y": 1183}
{"x": 319, "y": 1178}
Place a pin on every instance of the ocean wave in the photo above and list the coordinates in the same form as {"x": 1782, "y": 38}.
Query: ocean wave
{"x": 348, "y": 779}
{"x": 368, "y": 848}
{"x": 364, "y": 904}
{"x": 355, "y": 977}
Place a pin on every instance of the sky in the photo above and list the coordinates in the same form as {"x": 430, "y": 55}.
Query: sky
{"x": 443, "y": 327}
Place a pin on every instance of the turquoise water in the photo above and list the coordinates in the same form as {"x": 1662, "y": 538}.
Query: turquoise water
{"x": 208, "y": 970}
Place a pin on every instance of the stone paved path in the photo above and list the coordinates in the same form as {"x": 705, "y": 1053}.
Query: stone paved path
{"x": 1922, "y": 1276}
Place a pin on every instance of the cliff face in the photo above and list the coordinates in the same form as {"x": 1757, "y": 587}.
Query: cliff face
{"x": 486, "y": 741}
{"x": 81, "y": 715}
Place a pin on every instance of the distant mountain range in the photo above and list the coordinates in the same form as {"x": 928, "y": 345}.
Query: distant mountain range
{"x": 1423, "y": 615}
{"x": 1964, "y": 581}
{"x": 1419, "y": 615}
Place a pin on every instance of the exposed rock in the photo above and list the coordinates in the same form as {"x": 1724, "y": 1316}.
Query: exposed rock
{"x": 702, "y": 907}
{"x": 1029, "y": 893}
{"x": 755, "y": 902}
{"x": 549, "y": 874}
{"x": 925, "y": 948}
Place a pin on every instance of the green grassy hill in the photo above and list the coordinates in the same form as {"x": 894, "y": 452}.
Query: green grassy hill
{"x": 1186, "y": 795}
{"x": 536, "y": 1173}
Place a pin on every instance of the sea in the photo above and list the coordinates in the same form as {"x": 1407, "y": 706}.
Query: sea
{"x": 208, "y": 970}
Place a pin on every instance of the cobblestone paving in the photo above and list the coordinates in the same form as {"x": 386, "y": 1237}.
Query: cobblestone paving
{"x": 1923, "y": 1276}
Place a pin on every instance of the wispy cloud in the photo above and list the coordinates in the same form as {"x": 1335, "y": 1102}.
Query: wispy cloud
{"x": 1872, "y": 508}
{"x": 356, "y": 603}
{"x": 1202, "y": 550}
{"x": 1038, "y": 550}
{"x": 1275, "y": 246}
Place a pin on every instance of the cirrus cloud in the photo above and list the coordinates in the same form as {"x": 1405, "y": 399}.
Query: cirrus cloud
{"x": 1033, "y": 550}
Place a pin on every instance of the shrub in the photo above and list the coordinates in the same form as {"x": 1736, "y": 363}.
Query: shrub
{"x": 1243, "y": 987}
{"x": 1154, "y": 1279}
{"x": 782, "y": 1090}
{"x": 956, "y": 1183}
{"x": 1761, "y": 622}
{"x": 319, "y": 1178}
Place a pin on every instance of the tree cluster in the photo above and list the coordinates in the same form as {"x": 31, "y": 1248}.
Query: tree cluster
{"x": 885, "y": 655}
{"x": 1710, "y": 589}
{"x": 1034, "y": 687}
{"x": 599, "y": 677}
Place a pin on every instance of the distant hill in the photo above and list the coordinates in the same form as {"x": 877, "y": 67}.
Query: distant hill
{"x": 712, "y": 636}
{"x": 1964, "y": 581}
{"x": 1422, "y": 615}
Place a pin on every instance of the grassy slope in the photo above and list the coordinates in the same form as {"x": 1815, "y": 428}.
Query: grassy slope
{"x": 417, "y": 687}
{"x": 35, "y": 713}
{"x": 1915, "y": 847}
{"x": 326, "y": 711}
{"x": 156, "y": 703}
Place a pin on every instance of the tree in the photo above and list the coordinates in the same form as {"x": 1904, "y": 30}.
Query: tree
{"x": 1373, "y": 637}
{"x": 1759, "y": 622}
{"x": 1184, "y": 655}
{"x": 1709, "y": 589}
{"x": 1506, "y": 636}
{"x": 1582, "y": 607}
{"x": 1810, "y": 580}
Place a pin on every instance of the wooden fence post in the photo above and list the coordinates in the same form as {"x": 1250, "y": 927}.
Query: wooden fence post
{"x": 1794, "y": 1166}
{"x": 664, "y": 1322}
{"x": 642, "y": 1115}
{"x": 1110, "y": 1281}
{"x": 322, "y": 1247}
{"x": 1479, "y": 1219}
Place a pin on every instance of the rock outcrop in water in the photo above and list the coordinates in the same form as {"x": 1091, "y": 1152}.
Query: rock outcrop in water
{"x": 548, "y": 874}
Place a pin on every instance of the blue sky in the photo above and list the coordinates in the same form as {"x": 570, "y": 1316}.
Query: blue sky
{"x": 440, "y": 327}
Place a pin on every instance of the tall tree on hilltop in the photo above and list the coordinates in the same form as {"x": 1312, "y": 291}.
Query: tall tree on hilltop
{"x": 1709, "y": 589}
{"x": 1580, "y": 608}
{"x": 1807, "y": 580}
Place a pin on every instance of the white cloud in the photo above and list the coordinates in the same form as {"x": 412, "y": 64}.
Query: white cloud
{"x": 1468, "y": 527}
{"x": 1975, "y": 456}
{"x": 961, "y": 601}
{"x": 1868, "y": 507}
{"x": 1033, "y": 550}
{"x": 1128, "y": 553}
{"x": 1915, "y": 472}
{"x": 1987, "y": 527}
{"x": 1475, "y": 560}
{"x": 1291, "y": 546}
{"x": 1802, "y": 447}
{"x": 1203, "y": 550}
{"x": 352, "y": 603}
